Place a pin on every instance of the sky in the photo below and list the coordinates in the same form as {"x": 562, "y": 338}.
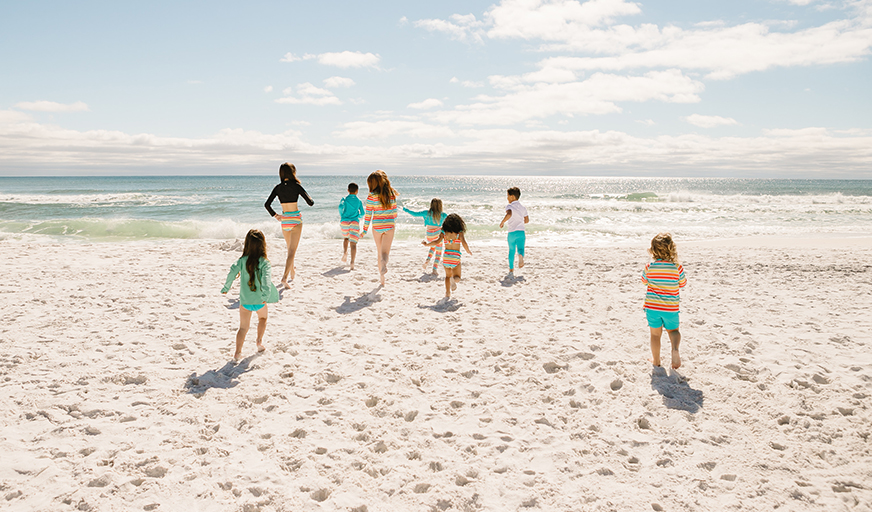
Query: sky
{"x": 764, "y": 88}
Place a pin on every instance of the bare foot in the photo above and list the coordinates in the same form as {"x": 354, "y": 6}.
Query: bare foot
{"x": 653, "y": 362}
{"x": 434, "y": 273}
{"x": 676, "y": 360}
{"x": 381, "y": 279}
{"x": 424, "y": 266}
{"x": 237, "y": 356}
{"x": 351, "y": 267}
{"x": 260, "y": 347}
{"x": 285, "y": 284}
{"x": 520, "y": 261}
{"x": 344, "y": 258}
{"x": 453, "y": 284}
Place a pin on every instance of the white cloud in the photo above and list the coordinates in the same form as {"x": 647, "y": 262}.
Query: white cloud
{"x": 466, "y": 83}
{"x": 290, "y": 57}
{"x": 554, "y": 20}
{"x": 28, "y": 146}
{"x": 308, "y": 94}
{"x": 721, "y": 51}
{"x": 461, "y": 27}
{"x": 646, "y": 122}
{"x": 384, "y": 129}
{"x": 338, "y": 81}
{"x": 348, "y": 59}
{"x": 344, "y": 59}
{"x": 709, "y": 121}
{"x": 51, "y": 106}
{"x": 268, "y": 88}
{"x": 599, "y": 94}
{"x": 428, "y": 103}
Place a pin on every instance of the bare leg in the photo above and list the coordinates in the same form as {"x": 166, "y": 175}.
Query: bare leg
{"x": 655, "y": 345}
{"x": 449, "y": 272}
{"x": 675, "y": 340}
{"x": 353, "y": 253}
{"x": 345, "y": 250}
{"x": 261, "y": 327}
{"x": 244, "y": 322}
{"x": 292, "y": 238}
{"x": 387, "y": 241}
{"x": 378, "y": 237}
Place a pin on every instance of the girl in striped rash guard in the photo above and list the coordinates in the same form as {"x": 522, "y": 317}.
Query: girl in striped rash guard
{"x": 381, "y": 210}
{"x": 664, "y": 277}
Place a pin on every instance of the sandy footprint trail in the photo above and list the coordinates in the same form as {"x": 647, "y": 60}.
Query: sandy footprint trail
{"x": 529, "y": 393}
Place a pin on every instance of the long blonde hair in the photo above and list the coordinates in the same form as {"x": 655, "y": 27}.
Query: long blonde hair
{"x": 663, "y": 248}
{"x": 380, "y": 185}
{"x": 436, "y": 209}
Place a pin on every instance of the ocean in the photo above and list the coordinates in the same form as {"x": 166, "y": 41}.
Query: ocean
{"x": 564, "y": 211}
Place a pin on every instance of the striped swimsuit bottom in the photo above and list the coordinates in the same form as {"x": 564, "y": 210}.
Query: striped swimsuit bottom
{"x": 382, "y": 222}
{"x": 433, "y": 233}
{"x": 290, "y": 220}
{"x": 451, "y": 258}
{"x": 350, "y": 230}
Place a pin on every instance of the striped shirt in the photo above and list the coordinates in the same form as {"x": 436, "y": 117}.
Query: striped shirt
{"x": 382, "y": 218}
{"x": 663, "y": 278}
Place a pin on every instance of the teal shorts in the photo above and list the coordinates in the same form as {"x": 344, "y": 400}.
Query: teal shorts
{"x": 666, "y": 319}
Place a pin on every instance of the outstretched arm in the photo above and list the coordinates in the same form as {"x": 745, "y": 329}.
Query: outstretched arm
{"x": 416, "y": 214}
{"x": 506, "y": 218}
{"x": 463, "y": 241}
{"x": 434, "y": 242}
{"x": 231, "y": 276}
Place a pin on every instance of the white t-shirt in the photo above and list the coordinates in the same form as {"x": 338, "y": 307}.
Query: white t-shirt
{"x": 516, "y": 221}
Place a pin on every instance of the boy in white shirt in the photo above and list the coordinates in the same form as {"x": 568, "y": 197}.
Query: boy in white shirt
{"x": 516, "y": 217}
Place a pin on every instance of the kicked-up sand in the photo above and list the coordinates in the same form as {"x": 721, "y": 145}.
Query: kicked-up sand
{"x": 525, "y": 392}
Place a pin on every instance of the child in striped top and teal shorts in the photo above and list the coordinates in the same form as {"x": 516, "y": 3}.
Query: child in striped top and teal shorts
{"x": 664, "y": 277}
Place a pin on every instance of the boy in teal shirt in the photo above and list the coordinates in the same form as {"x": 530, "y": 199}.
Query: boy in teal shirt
{"x": 350, "y": 212}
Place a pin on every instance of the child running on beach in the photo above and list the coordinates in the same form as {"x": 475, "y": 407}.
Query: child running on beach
{"x": 350, "y": 212}
{"x": 452, "y": 234}
{"x": 516, "y": 217}
{"x": 664, "y": 276}
{"x": 255, "y": 288}
{"x": 381, "y": 209}
{"x": 433, "y": 219}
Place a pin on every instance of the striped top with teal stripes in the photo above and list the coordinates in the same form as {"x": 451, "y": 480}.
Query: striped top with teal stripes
{"x": 664, "y": 279}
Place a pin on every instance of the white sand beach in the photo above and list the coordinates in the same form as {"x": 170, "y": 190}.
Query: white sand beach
{"x": 532, "y": 393}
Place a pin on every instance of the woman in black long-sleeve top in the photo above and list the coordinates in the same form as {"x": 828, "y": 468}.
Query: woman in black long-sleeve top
{"x": 288, "y": 192}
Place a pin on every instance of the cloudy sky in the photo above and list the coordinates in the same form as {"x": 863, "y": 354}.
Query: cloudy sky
{"x": 768, "y": 88}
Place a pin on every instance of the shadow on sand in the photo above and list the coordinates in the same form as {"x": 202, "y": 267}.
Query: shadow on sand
{"x": 232, "y": 304}
{"x": 677, "y": 393}
{"x": 511, "y": 280}
{"x": 223, "y": 378}
{"x": 338, "y": 271}
{"x": 443, "y": 306}
{"x": 364, "y": 301}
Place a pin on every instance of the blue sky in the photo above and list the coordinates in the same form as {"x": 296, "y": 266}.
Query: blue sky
{"x": 776, "y": 88}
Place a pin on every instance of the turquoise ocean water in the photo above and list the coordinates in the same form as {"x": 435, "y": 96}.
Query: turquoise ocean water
{"x": 571, "y": 211}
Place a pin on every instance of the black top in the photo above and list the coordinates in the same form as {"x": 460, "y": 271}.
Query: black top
{"x": 288, "y": 192}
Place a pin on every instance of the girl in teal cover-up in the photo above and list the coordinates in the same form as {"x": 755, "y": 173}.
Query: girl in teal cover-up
{"x": 255, "y": 288}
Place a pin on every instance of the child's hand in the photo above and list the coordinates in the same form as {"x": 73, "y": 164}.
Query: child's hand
{"x": 277, "y": 216}
{"x": 501, "y": 224}
{"x": 223, "y": 293}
